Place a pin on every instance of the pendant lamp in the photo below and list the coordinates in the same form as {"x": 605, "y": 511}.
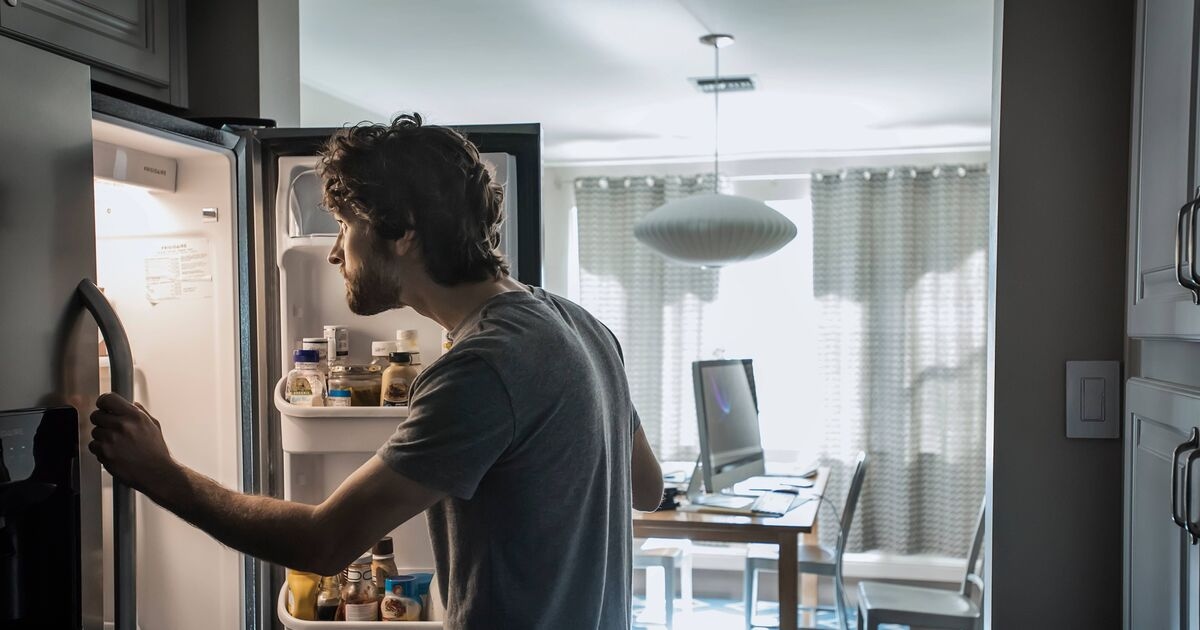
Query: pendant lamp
{"x": 714, "y": 230}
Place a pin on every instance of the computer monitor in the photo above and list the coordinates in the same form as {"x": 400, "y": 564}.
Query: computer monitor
{"x": 727, "y": 415}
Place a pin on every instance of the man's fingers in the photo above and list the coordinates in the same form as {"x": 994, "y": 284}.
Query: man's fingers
{"x": 102, "y": 439}
{"x": 115, "y": 404}
{"x": 152, "y": 418}
{"x": 107, "y": 420}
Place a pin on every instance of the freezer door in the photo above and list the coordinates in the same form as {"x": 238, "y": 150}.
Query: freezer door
{"x": 47, "y": 245}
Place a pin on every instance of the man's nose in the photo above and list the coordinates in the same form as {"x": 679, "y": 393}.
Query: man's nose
{"x": 335, "y": 254}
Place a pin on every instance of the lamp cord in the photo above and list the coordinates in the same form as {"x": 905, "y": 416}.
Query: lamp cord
{"x": 716, "y": 118}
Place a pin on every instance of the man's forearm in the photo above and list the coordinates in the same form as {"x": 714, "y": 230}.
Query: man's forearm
{"x": 283, "y": 532}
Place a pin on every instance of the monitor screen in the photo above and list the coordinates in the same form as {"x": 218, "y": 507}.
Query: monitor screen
{"x": 728, "y": 410}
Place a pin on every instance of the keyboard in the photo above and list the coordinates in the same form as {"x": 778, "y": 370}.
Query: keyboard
{"x": 774, "y": 503}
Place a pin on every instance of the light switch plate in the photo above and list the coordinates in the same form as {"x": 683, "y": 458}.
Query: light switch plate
{"x": 1093, "y": 399}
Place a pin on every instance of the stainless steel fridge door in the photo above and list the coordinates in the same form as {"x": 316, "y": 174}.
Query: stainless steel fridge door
{"x": 47, "y": 244}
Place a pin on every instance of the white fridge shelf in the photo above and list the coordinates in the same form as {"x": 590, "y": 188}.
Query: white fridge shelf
{"x": 334, "y": 429}
{"x": 292, "y": 623}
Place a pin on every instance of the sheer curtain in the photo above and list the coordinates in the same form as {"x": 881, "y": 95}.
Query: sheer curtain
{"x": 900, "y": 272}
{"x": 654, "y": 306}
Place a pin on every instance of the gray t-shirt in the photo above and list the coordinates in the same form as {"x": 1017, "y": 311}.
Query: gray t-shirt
{"x": 526, "y": 424}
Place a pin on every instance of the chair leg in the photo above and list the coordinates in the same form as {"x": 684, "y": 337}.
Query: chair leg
{"x": 839, "y": 597}
{"x": 748, "y": 589}
{"x": 685, "y": 581}
{"x": 669, "y": 595}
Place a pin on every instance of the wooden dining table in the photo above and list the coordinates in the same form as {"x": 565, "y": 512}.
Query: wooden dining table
{"x": 784, "y": 531}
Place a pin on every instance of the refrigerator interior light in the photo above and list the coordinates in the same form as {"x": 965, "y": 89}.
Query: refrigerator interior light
{"x": 132, "y": 167}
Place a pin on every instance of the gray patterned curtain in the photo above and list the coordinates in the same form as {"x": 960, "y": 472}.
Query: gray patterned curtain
{"x": 900, "y": 271}
{"x": 654, "y": 306}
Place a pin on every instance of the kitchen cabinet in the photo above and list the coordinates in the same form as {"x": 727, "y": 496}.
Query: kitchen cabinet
{"x": 1160, "y": 557}
{"x": 135, "y": 45}
{"x": 1164, "y": 274}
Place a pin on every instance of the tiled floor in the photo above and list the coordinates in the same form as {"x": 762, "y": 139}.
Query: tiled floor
{"x": 724, "y": 614}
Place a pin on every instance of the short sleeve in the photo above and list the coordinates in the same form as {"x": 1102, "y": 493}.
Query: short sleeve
{"x": 635, "y": 422}
{"x": 459, "y": 423}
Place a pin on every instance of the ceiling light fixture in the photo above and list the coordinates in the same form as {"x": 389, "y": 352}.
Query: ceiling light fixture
{"x": 714, "y": 230}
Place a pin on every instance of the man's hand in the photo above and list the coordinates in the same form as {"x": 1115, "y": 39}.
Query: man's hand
{"x": 129, "y": 443}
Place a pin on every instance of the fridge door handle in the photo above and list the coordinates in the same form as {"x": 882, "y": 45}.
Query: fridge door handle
{"x": 120, "y": 359}
{"x": 1185, "y": 249}
{"x": 1192, "y": 442}
{"x": 1191, "y": 526}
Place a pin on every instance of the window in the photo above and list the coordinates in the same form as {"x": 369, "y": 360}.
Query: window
{"x": 868, "y": 332}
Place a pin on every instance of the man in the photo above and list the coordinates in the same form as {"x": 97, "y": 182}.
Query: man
{"x": 521, "y": 443}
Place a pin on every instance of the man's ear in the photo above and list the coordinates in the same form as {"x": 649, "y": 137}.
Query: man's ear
{"x": 405, "y": 244}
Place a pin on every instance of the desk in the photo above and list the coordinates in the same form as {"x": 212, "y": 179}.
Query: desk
{"x": 783, "y": 531}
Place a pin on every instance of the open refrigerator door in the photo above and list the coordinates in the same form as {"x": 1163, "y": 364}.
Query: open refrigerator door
{"x": 166, "y": 238}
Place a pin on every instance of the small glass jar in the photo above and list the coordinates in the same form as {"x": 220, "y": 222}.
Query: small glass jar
{"x": 364, "y": 382}
{"x": 400, "y": 602}
{"x": 329, "y": 599}
{"x": 359, "y": 600}
{"x": 397, "y": 380}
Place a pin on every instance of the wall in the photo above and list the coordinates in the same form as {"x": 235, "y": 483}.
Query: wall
{"x": 244, "y": 59}
{"x": 1061, "y": 155}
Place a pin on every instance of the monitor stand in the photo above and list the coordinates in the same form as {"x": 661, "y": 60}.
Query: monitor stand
{"x": 697, "y": 497}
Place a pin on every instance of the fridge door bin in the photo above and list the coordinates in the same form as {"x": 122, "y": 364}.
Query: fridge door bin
{"x": 334, "y": 429}
{"x": 291, "y": 623}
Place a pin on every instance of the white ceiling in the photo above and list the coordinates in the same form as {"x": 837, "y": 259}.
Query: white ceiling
{"x": 607, "y": 79}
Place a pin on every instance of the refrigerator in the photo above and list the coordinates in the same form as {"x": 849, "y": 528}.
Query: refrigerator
{"x": 178, "y": 263}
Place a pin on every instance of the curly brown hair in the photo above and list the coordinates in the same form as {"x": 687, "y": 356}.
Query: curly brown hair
{"x": 408, "y": 176}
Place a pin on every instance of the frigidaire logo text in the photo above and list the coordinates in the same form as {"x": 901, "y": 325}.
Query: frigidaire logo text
{"x": 156, "y": 171}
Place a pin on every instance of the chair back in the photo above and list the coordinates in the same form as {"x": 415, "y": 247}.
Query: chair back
{"x": 856, "y": 484}
{"x": 972, "y": 580}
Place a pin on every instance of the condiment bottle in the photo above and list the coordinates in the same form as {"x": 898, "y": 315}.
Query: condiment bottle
{"x": 329, "y": 598}
{"x": 400, "y": 602}
{"x": 359, "y": 600}
{"x": 302, "y": 594}
{"x": 397, "y": 380}
{"x": 380, "y": 351}
{"x": 305, "y": 384}
{"x": 383, "y": 563}
{"x": 406, "y": 341}
{"x": 321, "y": 345}
{"x": 338, "y": 338}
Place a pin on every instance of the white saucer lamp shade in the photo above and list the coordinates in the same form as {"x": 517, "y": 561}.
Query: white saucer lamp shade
{"x": 714, "y": 230}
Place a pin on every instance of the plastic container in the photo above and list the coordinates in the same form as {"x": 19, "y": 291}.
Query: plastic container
{"x": 400, "y": 600}
{"x": 334, "y": 429}
{"x": 435, "y": 612}
{"x": 339, "y": 398}
{"x": 305, "y": 384}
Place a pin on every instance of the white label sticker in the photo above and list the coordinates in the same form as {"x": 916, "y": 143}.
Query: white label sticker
{"x": 179, "y": 269}
{"x": 362, "y": 612}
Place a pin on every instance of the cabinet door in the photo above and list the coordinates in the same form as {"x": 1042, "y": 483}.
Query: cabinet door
{"x": 1161, "y": 169}
{"x": 135, "y": 45}
{"x": 1159, "y": 580}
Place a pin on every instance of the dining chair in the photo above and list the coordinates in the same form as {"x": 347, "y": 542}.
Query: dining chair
{"x": 813, "y": 559}
{"x": 880, "y": 602}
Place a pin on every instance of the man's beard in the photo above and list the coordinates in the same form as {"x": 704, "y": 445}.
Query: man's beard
{"x": 375, "y": 287}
